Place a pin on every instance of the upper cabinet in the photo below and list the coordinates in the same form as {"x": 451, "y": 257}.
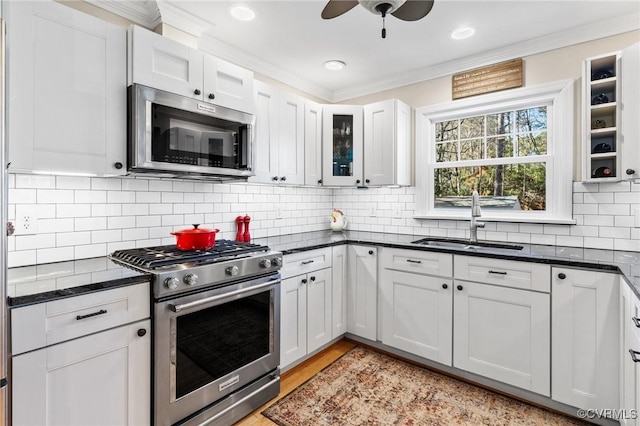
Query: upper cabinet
{"x": 66, "y": 90}
{"x": 279, "y": 136}
{"x": 368, "y": 145}
{"x": 165, "y": 64}
{"x": 611, "y": 96}
{"x": 312, "y": 143}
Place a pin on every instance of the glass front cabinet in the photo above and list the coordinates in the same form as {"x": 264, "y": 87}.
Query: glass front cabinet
{"x": 342, "y": 145}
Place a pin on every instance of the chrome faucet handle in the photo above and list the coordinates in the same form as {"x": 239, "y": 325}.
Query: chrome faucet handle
{"x": 475, "y": 205}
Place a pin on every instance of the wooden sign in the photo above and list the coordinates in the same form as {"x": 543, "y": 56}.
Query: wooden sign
{"x": 505, "y": 75}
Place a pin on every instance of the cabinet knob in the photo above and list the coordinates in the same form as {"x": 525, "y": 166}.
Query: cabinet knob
{"x": 367, "y": 181}
{"x": 370, "y": 251}
{"x": 212, "y": 96}
{"x": 459, "y": 287}
{"x": 142, "y": 332}
{"x": 630, "y": 172}
{"x": 313, "y": 278}
{"x": 283, "y": 178}
{"x": 118, "y": 165}
{"x": 445, "y": 286}
{"x": 358, "y": 181}
{"x": 562, "y": 275}
{"x": 304, "y": 281}
{"x": 197, "y": 92}
{"x": 275, "y": 178}
{"x": 319, "y": 181}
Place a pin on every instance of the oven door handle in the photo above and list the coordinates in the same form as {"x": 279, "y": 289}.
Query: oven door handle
{"x": 195, "y": 304}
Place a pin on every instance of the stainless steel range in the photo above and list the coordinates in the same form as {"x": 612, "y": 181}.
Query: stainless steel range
{"x": 216, "y": 330}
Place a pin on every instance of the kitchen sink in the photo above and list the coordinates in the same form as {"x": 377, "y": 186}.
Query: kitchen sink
{"x": 465, "y": 244}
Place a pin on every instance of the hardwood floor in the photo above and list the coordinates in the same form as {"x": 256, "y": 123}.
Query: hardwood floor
{"x": 297, "y": 376}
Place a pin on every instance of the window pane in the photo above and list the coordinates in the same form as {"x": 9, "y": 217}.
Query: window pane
{"x": 471, "y": 150}
{"x": 499, "y": 124}
{"x": 447, "y": 131}
{"x": 472, "y": 127}
{"x": 500, "y": 147}
{"x": 531, "y": 119}
{"x": 532, "y": 144}
{"x": 504, "y": 187}
{"x": 447, "y": 152}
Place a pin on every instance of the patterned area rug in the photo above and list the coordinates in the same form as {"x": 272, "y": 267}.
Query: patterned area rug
{"x": 368, "y": 388}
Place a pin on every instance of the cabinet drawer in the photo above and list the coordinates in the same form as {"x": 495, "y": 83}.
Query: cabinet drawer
{"x": 418, "y": 262}
{"x": 44, "y": 324}
{"x": 301, "y": 263}
{"x": 508, "y": 273}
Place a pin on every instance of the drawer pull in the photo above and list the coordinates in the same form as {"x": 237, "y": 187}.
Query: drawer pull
{"x": 497, "y": 272}
{"x": 100, "y": 312}
{"x": 306, "y": 262}
{"x": 636, "y": 321}
{"x": 414, "y": 261}
{"x": 633, "y": 355}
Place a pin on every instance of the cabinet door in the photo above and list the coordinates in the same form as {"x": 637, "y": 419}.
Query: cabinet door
{"x": 100, "y": 379}
{"x": 585, "y": 358}
{"x": 342, "y": 145}
{"x": 312, "y": 143}
{"x": 228, "y": 85}
{"x": 67, "y": 90}
{"x": 630, "y": 110}
{"x": 361, "y": 292}
{"x": 503, "y": 333}
{"x": 318, "y": 309}
{"x": 339, "y": 292}
{"x": 291, "y": 138}
{"x": 265, "y": 158}
{"x": 417, "y": 314}
{"x": 630, "y": 327}
{"x": 164, "y": 64}
{"x": 293, "y": 319}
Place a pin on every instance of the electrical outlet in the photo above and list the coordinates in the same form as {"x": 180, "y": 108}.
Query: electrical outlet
{"x": 278, "y": 213}
{"x": 372, "y": 212}
{"x": 26, "y": 220}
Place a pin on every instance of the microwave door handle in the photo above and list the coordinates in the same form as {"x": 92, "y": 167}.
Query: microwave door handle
{"x": 195, "y": 304}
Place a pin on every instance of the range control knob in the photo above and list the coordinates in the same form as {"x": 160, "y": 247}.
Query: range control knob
{"x": 171, "y": 283}
{"x": 276, "y": 261}
{"x": 191, "y": 279}
{"x": 232, "y": 270}
{"x": 265, "y": 263}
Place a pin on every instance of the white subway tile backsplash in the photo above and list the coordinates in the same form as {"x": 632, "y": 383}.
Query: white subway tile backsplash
{"x": 106, "y": 210}
{"x": 31, "y": 242}
{"x": 121, "y": 222}
{"x": 134, "y": 234}
{"x": 23, "y": 196}
{"x": 56, "y": 196}
{"x": 598, "y": 197}
{"x": 172, "y": 197}
{"x": 148, "y": 221}
{"x": 148, "y": 197}
{"x": 603, "y": 243}
{"x": 160, "y": 185}
{"x": 91, "y": 197}
{"x": 35, "y": 181}
{"x": 121, "y": 197}
{"x": 73, "y": 210}
{"x": 106, "y": 236}
{"x": 49, "y": 255}
{"x": 90, "y": 223}
{"x": 89, "y": 251}
{"x": 73, "y": 238}
{"x": 600, "y": 220}
{"x": 160, "y": 208}
{"x": 106, "y": 184}
{"x": 73, "y": 182}
{"x": 133, "y": 184}
{"x": 183, "y": 208}
{"x": 627, "y": 197}
{"x": 135, "y": 209}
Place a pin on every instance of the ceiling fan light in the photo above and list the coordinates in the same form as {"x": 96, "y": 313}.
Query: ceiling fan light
{"x": 372, "y": 5}
{"x": 334, "y": 65}
{"x": 242, "y": 12}
{"x": 461, "y": 33}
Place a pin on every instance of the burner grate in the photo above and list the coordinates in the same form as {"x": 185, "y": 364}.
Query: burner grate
{"x": 161, "y": 256}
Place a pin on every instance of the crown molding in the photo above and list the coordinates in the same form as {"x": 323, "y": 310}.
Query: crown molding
{"x": 182, "y": 20}
{"x": 145, "y": 13}
{"x": 546, "y": 43}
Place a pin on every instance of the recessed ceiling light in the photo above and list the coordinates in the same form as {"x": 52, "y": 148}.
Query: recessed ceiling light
{"x": 461, "y": 33}
{"x": 334, "y": 65}
{"x": 242, "y": 12}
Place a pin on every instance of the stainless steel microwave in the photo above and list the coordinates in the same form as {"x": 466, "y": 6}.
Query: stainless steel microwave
{"x": 172, "y": 135}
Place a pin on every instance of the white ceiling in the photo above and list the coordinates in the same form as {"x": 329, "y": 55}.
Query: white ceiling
{"x": 289, "y": 41}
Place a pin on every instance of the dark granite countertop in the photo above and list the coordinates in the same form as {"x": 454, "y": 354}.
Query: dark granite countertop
{"x": 43, "y": 283}
{"x": 625, "y": 262}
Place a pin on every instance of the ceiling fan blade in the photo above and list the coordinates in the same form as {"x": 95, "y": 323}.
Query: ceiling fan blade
{"x": 337, "y": 7}
{"x": 412, "y": 10}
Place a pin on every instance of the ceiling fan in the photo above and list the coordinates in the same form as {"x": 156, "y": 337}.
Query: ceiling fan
{"x": 407, "y": 10}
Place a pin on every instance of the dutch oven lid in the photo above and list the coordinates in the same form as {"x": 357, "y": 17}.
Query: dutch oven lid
{"x": 196, "y": 230}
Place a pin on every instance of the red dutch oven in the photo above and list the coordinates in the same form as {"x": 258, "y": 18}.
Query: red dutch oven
{"x": 196, "y": 238}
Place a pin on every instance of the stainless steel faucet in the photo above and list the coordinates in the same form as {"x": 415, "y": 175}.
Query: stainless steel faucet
{"x": 475, "y": 212}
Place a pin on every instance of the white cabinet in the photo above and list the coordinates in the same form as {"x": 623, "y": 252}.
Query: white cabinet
{"x": 84, "y": 360}
{"x": 611, "y": 105}
{"x": 165, "y": 64}
{"x": 367, "y": 145}
{"x": 279, "y": 136}
{"x": 66, "y": 91}
{"x": 362, "y": 287}
{"x": 501, "y": 329}
{"x": 387, "y": 149}
{"x": 305, "y": 308}
{"x": 417, "y": 308}
{"x": 630, "y": 327}
{"x": 339, "y": 292}
{"x": 312, "y": 143}
{"x": 585, "y": 338}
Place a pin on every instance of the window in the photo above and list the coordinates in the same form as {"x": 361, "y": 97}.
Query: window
{"x": 515, "y": 148}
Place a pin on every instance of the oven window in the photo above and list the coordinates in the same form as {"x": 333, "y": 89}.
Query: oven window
{"x": 216, "y": 341}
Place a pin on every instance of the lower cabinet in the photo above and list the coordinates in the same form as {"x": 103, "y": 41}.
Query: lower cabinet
{"x": 100, "y": 379}
{"x": 362, "y": 288}
{"x": 585, "y": 338}
{"x": 630, "y": 327}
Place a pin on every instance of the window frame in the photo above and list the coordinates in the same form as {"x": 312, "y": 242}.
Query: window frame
{"x": 558, "y": 97}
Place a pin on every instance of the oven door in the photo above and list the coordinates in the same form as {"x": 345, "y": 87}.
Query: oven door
{"x": 210, "y": 344}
